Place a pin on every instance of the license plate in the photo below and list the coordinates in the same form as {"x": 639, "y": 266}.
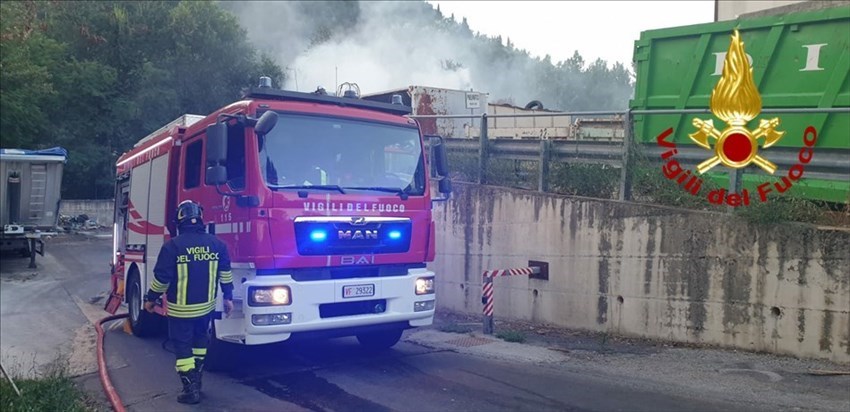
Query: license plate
{"x": 356, "y": 291}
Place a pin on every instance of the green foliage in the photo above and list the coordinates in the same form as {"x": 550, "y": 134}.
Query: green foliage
{"x": 569, "y": 85}
{"x": 52, "y": 393}
{"x": 26, "y": 55}
{"x": 782, "y": 209}
{"x": 649, "y": 185}
{"x": 589, "y": 180}
{"x": 512, "y": 173}
{"x": 94, "y": 77}
{"x": 463, "y": 167}
{"x": 511, "y": 336}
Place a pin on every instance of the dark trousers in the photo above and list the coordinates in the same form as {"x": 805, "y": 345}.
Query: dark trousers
{"x": 189, "y": 337}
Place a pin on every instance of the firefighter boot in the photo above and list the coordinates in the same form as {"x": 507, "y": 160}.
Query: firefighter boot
{"x": 191, "y": 394}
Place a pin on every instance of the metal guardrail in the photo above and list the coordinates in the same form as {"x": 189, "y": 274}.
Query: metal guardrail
{"x": 833, "y": 164}
{"x": 827, "y": 165}
{"x": 581, "y": 151}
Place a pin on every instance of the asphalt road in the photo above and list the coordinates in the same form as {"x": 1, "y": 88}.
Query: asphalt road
{"x": 428, "y": 371}
{"x": 340, "y": 376}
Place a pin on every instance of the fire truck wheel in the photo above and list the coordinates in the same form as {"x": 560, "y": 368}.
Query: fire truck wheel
{"x": 144, "y": 324}
{"x": 380, "y": 340}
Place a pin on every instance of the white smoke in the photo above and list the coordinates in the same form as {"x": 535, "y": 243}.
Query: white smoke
{"x": 393, "y": 45}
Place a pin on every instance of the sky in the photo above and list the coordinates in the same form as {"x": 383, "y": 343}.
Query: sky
{"x": 597, "y": 29}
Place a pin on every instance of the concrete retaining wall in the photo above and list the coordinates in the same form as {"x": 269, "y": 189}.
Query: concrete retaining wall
{"x": 98, "y": 210}
{"x": 647, "y": 271}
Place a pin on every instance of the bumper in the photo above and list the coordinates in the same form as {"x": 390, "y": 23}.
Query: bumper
{"x": 308, "y": 297}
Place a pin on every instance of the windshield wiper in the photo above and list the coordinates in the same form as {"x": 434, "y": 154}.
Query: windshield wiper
{"x": 401, "y": 193}
{"x": 319, "y": 187}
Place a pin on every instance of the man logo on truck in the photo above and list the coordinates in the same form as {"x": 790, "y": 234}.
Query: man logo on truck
{"x": 358, "y": 234}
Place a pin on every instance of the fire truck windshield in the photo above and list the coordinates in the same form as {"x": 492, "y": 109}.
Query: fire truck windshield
{"x": 326, "y": 152}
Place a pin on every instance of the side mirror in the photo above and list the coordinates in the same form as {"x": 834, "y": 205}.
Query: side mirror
{"x": 266, "y": 123}
{"x": 440, "y": 159}
{"x": 216, "y": 143}
{"x": 216, "y": 175}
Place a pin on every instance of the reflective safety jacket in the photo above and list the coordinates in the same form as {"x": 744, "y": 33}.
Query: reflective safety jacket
{"x": 189, "y": 268}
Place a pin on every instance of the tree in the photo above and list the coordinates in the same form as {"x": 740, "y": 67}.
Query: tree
{"x": 95, "y": 77}
{"x": 26, "y": 56}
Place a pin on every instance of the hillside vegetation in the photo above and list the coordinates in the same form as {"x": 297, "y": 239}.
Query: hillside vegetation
{"x": 94, "y": 77}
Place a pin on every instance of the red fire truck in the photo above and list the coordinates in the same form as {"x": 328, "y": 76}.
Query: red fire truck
{"x": 323, "y": 201}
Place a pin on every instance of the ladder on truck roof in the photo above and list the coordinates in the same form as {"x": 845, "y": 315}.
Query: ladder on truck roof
{"x": 183, "y": 121}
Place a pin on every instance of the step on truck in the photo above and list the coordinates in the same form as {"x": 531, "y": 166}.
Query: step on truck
{"x": 324, "y": 202}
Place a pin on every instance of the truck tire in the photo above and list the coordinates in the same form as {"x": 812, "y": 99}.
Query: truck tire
{"x": 144, "y": 324}
{"x": 534, "y": 104}
{"x": 380, "y": 340}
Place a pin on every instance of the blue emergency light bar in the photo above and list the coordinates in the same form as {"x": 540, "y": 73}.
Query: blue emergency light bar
{"x": 286, "y": 95}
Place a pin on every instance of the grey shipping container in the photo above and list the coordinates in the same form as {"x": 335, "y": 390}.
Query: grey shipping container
{"x": 30, "y": 189}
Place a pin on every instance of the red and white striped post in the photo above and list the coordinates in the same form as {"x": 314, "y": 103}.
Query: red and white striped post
{"x": 487, "y": 300}
{"x": 487, "y": 290}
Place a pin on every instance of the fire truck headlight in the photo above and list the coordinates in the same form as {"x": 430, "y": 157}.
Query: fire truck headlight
{"x": 425, "y": 286}
{"x": 269, "y": 296}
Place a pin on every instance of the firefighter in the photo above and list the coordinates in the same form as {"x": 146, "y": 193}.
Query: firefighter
{"x": 188, "y": 268}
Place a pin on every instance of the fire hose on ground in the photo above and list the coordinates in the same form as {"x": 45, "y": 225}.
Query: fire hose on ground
{"x": 111, "y": 394}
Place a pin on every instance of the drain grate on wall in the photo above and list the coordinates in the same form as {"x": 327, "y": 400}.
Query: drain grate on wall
{"x": 469, "y": 341}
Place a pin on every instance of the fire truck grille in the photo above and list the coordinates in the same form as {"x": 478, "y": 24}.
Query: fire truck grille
{"x": 343, "y": 238}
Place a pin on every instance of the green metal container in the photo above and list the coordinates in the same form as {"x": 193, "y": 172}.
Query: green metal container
{"x": 799, "y": 60}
